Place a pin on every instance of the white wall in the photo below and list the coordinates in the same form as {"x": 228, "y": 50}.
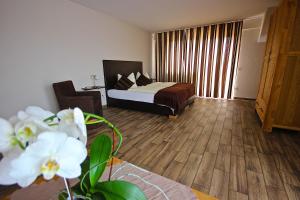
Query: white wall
{"x": 250, "y": 63}
{"x": 45, "y": 41}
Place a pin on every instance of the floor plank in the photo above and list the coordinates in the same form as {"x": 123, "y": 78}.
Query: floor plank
{"x": 181, "y": 157}
{"x": 238, "y": 177}
{"x": 190, "y": 169}
{"x": 223, "y": 158}
{"x": 252, "y": 162}
{"x": 173, "y": 170}
{"x": 219, "y": 184}
{"x": 276, "y": 193}
{"x": 293, "y": 192}
{"x": 237, "y": 196}
{"x": 205, "y": 171}
{"x": 257, "y": 189}
{"x": 271, "y": 174}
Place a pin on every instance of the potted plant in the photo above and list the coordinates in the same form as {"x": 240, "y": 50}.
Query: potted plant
{"x": 37, "y": 142}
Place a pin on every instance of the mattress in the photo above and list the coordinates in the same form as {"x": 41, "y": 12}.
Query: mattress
{"x": 141, "y": 93}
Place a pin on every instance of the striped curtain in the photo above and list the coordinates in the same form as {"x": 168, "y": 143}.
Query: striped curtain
{"x": 206, "y": 56}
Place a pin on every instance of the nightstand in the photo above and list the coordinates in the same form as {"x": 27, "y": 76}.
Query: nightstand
{"x": 101, "y": 89}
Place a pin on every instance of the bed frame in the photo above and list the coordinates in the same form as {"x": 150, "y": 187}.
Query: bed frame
{"x": 113, "y": 67}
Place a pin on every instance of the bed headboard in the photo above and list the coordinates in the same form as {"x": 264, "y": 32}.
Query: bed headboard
{"x": 113, "y": 67}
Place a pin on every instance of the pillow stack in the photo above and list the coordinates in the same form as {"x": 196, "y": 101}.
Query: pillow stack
{"x": 125, "y": 83}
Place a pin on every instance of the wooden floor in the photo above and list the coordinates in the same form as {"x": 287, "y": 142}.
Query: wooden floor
{"x": 215, "y": 146}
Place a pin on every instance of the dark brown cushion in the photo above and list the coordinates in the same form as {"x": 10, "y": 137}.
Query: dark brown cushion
{"x": 143, "y": 80}
{"x": 123, "y": 83}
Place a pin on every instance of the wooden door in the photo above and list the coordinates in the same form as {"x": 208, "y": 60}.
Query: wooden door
{"x": 282, "y": 74}
{"x": 288, "y": 96}
{"x": 265, "y": 81}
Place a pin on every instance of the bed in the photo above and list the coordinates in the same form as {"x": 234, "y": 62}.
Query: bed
{"x": 136, "y": 99}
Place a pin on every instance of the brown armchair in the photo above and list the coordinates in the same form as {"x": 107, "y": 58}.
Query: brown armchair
{"x": 67, "y": 97}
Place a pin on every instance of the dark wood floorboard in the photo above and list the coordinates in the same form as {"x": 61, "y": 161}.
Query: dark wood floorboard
{"x": 215, "y": 146}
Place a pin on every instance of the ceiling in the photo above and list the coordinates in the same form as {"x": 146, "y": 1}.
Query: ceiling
{"x": 158, "y": 15}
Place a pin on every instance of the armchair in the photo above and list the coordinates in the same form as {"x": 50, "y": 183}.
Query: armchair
{"x": 67, "y": 97}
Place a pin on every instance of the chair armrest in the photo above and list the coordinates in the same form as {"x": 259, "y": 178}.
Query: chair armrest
{"x": 96, "y": 95}
{"x": 85, "y": 103}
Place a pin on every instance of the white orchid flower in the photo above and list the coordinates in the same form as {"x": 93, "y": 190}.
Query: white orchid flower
{"x": 5, "y": 166}
{"x": 24, "y": 128}
{"x": 54, "y": 153}
{"x": 72, "y": 122}
{"x": 29, "y": 123}
{"x": 8, "y": 139}
{"x": 38, "y": 112}
{"x": 27, "y": 130}
{"x": 34, "y": 112}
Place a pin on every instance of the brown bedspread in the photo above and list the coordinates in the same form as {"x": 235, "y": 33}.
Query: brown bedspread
{"x": 175, "y": 96}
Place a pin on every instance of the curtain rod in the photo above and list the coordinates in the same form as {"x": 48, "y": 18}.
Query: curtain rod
{"x": 183, "y": 28}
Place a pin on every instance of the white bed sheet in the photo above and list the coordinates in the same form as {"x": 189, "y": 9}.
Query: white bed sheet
{"x": 131, "y": 95}
{"x": 141, "y": 93}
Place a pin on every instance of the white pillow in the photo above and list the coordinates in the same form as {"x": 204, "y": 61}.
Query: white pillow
{"x": 119, "y": 76}
{"x": 132, "y": 79}
{"x": 147, "y": 75}
{"x": 139, "y": 74}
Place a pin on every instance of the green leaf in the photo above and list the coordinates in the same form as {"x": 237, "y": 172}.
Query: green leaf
{"x": 85, "y": 166}
{"x": 100, "y": 152}
{"x": 119, "y": 190}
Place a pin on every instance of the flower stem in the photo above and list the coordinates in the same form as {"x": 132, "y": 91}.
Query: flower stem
{"x": 68, "y": 189}
{"x": 109, "y": 124}
{"x": 112, "y": 158}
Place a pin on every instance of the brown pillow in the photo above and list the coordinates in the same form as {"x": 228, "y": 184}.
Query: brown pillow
{"x": 143, "y": 80}
{"x": 123, "y": 83}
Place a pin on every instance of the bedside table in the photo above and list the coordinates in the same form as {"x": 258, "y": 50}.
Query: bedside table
{"x": 101, "y": 89}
